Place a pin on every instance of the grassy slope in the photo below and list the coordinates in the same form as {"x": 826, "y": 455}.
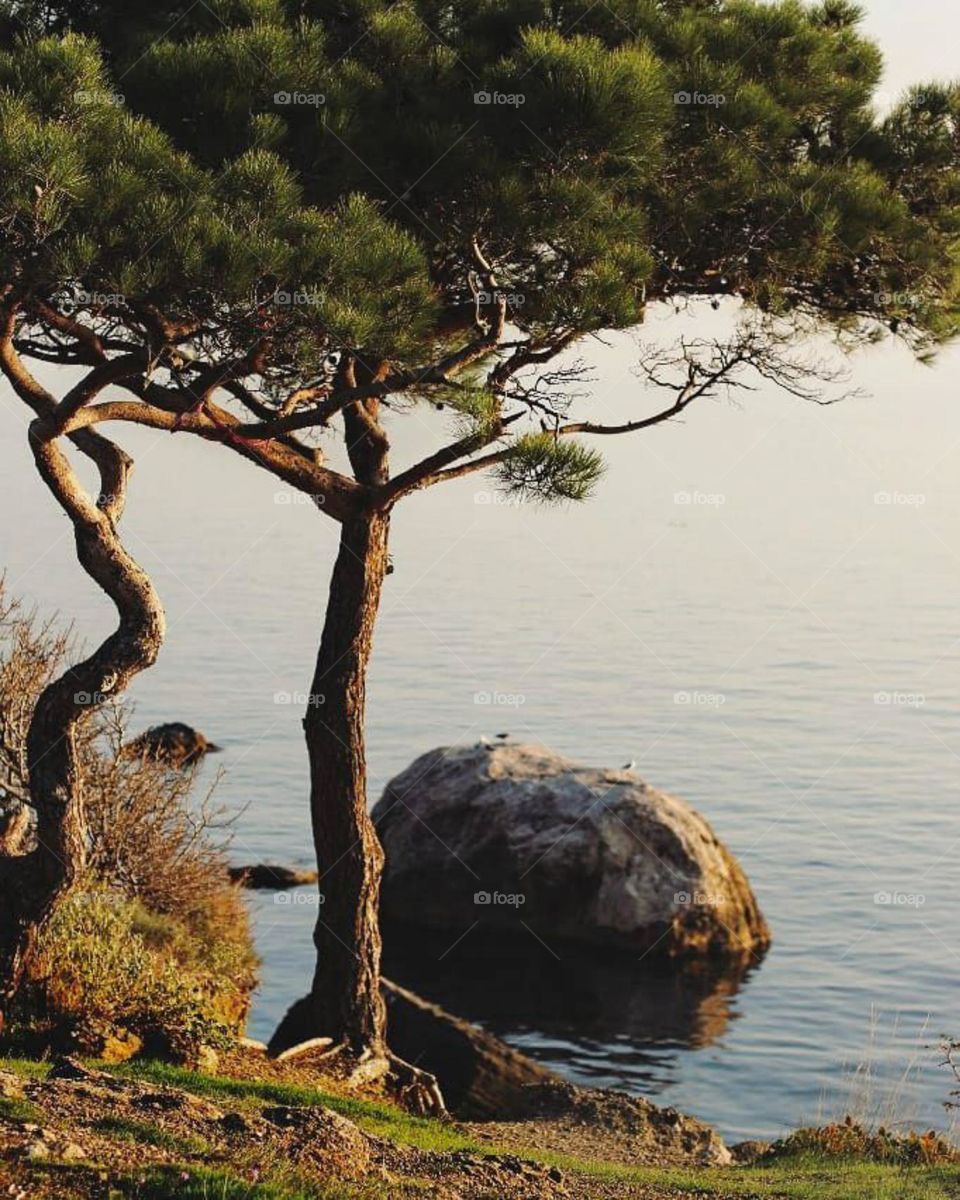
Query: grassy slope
{"x": 792, "y": 1179}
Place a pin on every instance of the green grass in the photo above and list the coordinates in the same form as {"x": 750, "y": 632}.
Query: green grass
{"x": 14, "y": 1109}
{"x": 801, "y": 1178}
{"x": 26, "y": 1068}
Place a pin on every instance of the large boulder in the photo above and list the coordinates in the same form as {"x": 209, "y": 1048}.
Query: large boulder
{"x": 515, "y": 839}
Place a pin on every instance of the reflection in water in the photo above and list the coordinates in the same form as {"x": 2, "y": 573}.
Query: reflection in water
{"x": 612, "y": 1021}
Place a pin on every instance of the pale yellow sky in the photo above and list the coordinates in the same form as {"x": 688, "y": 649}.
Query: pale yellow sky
{"x": 919, "y": 39}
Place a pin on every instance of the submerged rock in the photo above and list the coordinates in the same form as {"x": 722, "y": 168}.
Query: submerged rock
{"x": 174, "y": 743}
{"x": 525, "y": 842}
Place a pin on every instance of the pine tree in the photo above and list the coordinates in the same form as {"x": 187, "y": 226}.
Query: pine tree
{"x": 273, "y": 223}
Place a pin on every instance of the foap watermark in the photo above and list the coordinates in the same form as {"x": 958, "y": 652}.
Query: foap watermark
{"x": 92, "y": 97}
{"x": 83, "y": 299}
{"x": 497, "y": 499}
{"x": 506, "y": 99}
{"x": 900, "y": 699}
{"x": 499, "y": 699}
{"x": 701, "y": 99}
{"x": 900, "y": 899}
{"x": 500, "y": 899}
{"x": 299, "y": 99}
{"x": 282, "y": 299}
{"x": 698, "y": 899}
{"x": 90, "y": 698}
{"x": 709, "y": 499}
{"x": 296, "y": 498}
{"x": 110, "y": 899}
{"x": 900, "y": 499}
{"x": 301, "y": 699}
{"x": 896, "y": 300}
{"x": 512, "y": 299}
{"x": 700, "y": 699}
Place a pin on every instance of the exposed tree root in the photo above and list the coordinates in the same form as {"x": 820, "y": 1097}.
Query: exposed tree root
{"x": 317, "y": 1043}
{"x": 416, "y": 1089}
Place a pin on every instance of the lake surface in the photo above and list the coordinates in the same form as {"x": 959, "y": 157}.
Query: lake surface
{"x": 811, "y": 569}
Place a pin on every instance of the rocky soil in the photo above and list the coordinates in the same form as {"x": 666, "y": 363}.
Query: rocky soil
{"x": 82, "y": 1131}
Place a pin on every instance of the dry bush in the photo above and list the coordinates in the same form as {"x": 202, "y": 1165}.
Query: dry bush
{"x": 848, "y": 1139}
{"x": 155, "y": 936}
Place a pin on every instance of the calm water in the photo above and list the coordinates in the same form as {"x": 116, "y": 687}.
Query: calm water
{"x": 797, "y": 599}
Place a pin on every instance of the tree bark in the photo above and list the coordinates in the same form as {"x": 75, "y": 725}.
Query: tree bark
{"x": 346, "y": 997}
{"x": 31, "y": 884}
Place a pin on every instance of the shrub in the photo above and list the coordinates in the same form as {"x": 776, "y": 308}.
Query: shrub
{"x": 111, "y": 975}
{"x": 847, "y": 1139}
{"x": 153, "y": 948}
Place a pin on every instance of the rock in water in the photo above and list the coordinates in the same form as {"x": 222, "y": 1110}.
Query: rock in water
{"x": 514, "y": 835}
{"x": 175, "y": 743}
{"x": 270, "y": 876}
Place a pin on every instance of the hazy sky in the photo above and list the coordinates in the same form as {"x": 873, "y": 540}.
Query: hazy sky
{"x": 918, "y": 37}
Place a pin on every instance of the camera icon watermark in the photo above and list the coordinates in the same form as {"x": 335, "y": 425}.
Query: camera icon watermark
{"x": 300, "y": 899}
{"x": 900, "y": 899}
{"x": 90, "y": 97}
{"x": 299, "y": 99}
{"x": 709, "y": 499}
{"x": 497, "y": 499}
{"x": 900, "y": 699}
{"x": 700, "y": 699}
{"x": 507, "y": 99}
{"x": 900, "y": 499}
{"x": 500, "y": 699}
{"x": 288, "y": 498}
{"x": 698, "y": 899}
{"x": 500, "y": 899}
{"x": 301, "y": 699}
{"x": 708, "y": 99}
{"x": 512, "y": 299}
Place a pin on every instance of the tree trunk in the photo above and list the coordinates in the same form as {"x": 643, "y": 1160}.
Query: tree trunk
{"x": 31, "y": 884}
{"x": 346, "y": 997}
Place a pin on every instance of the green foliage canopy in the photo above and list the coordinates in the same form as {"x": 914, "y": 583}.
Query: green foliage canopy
{"x": 381, "y": 180}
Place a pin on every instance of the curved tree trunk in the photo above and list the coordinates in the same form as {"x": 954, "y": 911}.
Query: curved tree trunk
{"x": 32, "y": 883}
{"x": 346, "y": 999}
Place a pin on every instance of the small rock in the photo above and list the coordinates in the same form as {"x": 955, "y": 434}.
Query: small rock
{"x": 73, "y": 1069}
{"x": 750, "y": 1151}
{"x": 50, "y": 1145}
{"x": 11, "y": 1087}
{"x": 271, "y": 876}
{"x": 234, "y": 1122}
{"x": 174, "y": 743}
{"x": 206, "y": 1060}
